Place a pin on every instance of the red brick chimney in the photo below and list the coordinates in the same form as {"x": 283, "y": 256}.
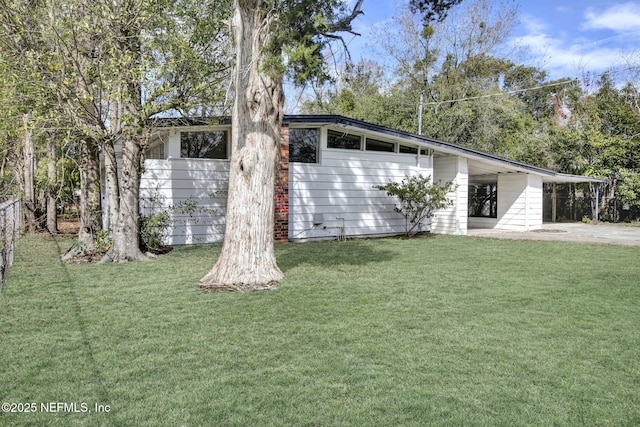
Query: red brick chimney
{"x": 281, "y": 226}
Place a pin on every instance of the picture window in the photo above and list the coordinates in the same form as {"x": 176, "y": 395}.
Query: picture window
{"x": 483, "y": 200}
{"x": 204, "y": 145}
{"x": 303, "y": 145}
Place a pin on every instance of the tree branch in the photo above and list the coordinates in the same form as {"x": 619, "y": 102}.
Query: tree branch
{"x": 344, "y": 24}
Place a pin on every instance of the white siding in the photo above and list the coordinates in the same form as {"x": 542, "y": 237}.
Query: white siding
{"x": 333, "y": 195}
{"x": 519, "y": 202}
{"x": 535, "y": 198}
{"x": 480, "y": 222}
{"x": 193, "y": 191}
{"x": 340, "y": 190}
{"x": 452, "y": 220}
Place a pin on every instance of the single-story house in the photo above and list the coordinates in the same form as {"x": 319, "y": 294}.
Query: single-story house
{"x": 325, "y": 188}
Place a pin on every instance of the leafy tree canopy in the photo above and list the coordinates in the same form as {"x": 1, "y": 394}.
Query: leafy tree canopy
{"x": 302, "y": 31}
{"x": 433, "y": 10}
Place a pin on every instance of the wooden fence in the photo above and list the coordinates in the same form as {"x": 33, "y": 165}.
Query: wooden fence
{"x": 10, "y": 223}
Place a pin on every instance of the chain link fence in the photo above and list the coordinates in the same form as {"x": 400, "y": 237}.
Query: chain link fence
{"x": 10, "y": 223}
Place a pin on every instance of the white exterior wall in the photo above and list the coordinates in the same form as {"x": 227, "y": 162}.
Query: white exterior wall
{"x": 336, "y": 192}
{"x": 452, "y": 220}
{"x": 340, "y": 191}
{"x": 519, "y": 202}
{"x": 193, "y": 191}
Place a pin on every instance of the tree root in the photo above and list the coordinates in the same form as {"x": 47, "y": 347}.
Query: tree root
{"x": 107, "y": 258}
{"x": 79, "y": 254}
{"x": 205, "y": 286}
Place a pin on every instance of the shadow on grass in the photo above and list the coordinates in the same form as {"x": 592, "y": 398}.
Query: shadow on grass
{"x": 332, "y": 254}
{"x": 83, "y": 327}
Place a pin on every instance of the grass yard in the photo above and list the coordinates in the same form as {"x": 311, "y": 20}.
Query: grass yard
{"x": 433, "y": 331}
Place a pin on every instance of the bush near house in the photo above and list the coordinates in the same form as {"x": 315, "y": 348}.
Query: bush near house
{"x": 418, "y": 199}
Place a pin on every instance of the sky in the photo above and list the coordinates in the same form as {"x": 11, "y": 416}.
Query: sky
{"x": 567, "y": 38}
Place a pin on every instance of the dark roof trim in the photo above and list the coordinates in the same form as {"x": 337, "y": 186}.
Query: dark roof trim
{"x": 336, "y": 120}
{"x": 431, "y": 142}
{"x": 346, "y": 121}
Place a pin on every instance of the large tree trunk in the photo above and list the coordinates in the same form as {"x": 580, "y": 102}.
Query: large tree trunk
{"x": 28, "y": 175}
{"x": 126, "y": 112}
{"x": 52, "y": 185}
{"x": 111, "y": 178}
{"x": 90, "y": 212}
{"x": 125, "y": 231}
{"x": 247, "y": 260}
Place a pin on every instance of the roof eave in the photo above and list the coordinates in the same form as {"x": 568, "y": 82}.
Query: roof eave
{"x": 563, "y": 178}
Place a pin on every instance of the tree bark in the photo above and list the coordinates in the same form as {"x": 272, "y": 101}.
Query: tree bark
{"x": 52, "y": 185}
{"x": 111, "y": 178}
{"x": 125, "y": 234}
{"x": 90, "y": 209}
{"x": 90, "y": 223}
{"x": 247, "y": 261}
{"x": 28, "y": 174}
{"x": 129, "y": 117}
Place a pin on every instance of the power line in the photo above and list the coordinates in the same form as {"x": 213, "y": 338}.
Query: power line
{"x": 510, "y": 92}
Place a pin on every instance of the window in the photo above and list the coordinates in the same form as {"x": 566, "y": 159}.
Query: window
{"x": 483, "y": 200}
{"x": 203, "y": 145}
{"x": 303, "y": 145}
{"x": 405, "y": 149}
{"x": 156, "y": 152}
{"x": 375, "y": 145}
{"x": 343, "y": 140}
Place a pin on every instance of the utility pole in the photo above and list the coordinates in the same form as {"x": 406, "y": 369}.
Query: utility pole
{"x": 420, "y": 113}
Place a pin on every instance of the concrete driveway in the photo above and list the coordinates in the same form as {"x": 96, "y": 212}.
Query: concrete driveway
{"x": 570, "y": 232}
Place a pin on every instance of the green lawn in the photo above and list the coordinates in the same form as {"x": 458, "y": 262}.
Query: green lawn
{"x": 433, "y": 331}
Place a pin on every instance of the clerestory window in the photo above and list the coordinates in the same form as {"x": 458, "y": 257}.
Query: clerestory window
{"x": 343, "y": 140}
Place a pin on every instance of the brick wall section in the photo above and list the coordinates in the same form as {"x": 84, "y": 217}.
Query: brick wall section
{"x": 281, "y": 227}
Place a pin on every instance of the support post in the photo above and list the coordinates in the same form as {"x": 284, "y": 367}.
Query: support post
{"x": 554, "y": 202}
{"x": 597, "y": 202}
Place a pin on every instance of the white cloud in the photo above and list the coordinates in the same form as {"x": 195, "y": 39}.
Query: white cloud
{"x": 619, "y": 18}
{"x": 532, "y": 24}
{"x": 566, "y": 53}
{"x": 568, "y": 60}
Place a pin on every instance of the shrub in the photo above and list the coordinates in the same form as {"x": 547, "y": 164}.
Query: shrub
{"x": 418, "y": 199}
{"x": 152, "y": 230}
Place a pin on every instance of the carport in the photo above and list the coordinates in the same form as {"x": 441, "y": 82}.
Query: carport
{"x": 508, "y": 195}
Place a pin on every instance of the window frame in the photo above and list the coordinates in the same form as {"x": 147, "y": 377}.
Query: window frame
{"x": 226, "y": 140}
{"x": 317, "y": 144}
{"x": 491, "y": 197}
{"x": 343, "y": 136}
{"x": 381, "y": 142}
{"x": 408, "y": 149}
